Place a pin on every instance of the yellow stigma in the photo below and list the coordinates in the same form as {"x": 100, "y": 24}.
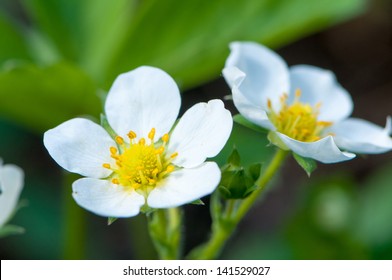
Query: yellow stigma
{"x": 140, "y": 164}
{"x": 298, "y": 120}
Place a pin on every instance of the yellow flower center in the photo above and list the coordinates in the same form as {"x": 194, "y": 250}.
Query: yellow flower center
{"x": 138, "y": 164}
{"x": 299, "y": 120}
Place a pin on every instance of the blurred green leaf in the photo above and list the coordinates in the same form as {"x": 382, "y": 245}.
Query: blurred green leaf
{"x": 374, "y": 224}
{"x": 192, "y": 46}
{"x": 41, "y": 98}
{"x": 251, "y": 145}
{"x": 321, "y": 226}
{"x": 87, "y": 32}
{"x": 111, "y": 37}
{"x": 111, "y": 220}
{"x": 10, "y": 230}
{"x": 242, "y": 121}
{"x": 12, "y": 42}
{"x": 198, "y": 202}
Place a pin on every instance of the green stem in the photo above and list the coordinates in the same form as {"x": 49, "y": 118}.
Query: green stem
{"x": 223, "y": 228}
{"x": 73, "y": 222}
{"x": 165, "y": 232}
{"x": 261, "y": 183}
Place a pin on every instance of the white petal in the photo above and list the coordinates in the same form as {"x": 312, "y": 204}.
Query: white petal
{"x": 80, "y": 146}
{"x": 142, "y": 99}
{"x": 320, "y": 85}
{"x": 185, "y": 185}
{"x": 106, "y": 199}
{"x": 11, "y": 184}
{"x": 267, "y": 75}
{"x": 201, "y": 133}
{"x": 360, "y": 136}
{"x": 323, "y": 150}
{"x": 251, "y": 111}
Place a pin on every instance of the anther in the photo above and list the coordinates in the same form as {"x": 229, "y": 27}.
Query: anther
{"x": 170, "y": 168}
{"x": 151, "y": 134}
{"x": 174, "y": 155}
{"x": 106, "y": 165}
{"x": 119, "y": 140}
{"x": 142, "y": 141}
{"x": 297, "y": 93}
{"x": 155, "y": 172}
{"x": 113, "y": 150}
{"x": 165, "y": 138}
{"x": 131, "y": 134}
{"x": 160, "y": 150}
{"x": 269, "y": 103}
{"x": 115, "y": 181}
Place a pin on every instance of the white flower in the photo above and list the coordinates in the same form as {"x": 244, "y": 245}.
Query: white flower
{"x": 11, "y": 184}
{"x": 304, "y": 107}
{"x": 148, "y": 162}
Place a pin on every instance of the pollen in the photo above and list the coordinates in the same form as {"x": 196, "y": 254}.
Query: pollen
{"x": 298, "y": 120}
{"x": 140, "y": 164}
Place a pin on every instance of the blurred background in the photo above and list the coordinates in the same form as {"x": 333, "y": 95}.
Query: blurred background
{"x": 58, "y": 58}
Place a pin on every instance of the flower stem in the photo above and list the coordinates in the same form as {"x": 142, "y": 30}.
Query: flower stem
{"x": 261, "y": 183}
{"x": 74, "y": 223}
{"x": 223, "y": 228}
{"x": 165, "y": 232}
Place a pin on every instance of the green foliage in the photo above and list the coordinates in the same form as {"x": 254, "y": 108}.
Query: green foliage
{"x": 10, "y": 230}
{"x": 111, "y": 220}
{"x": 12, "y": 44}
{"x": 308, "y": 164}
{"x": 238, "y": 182}
{"x": 43, "y": 97}
{"x": 374, "y": 215}
{"x": 102, "y": 39}
{"x": 241, "y": 120}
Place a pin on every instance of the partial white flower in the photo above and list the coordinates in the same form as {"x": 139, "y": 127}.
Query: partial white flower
{"x": 304, "y": 107}
{"x": 11, "y": 184}
{"x": 151, "y": 161}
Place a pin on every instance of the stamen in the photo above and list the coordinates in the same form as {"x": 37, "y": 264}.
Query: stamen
{"x": 151, "y": 134}
{"x": 140, "y": 164}
{"x": 119, "y": 140}
{"x": 170, "y": 168}
{"x": 298, "y": 120}
{"x": 113, "y": 150}
{"x": 106, "y": 165}
{"x": 165, "y": 138}
{"x": 132, "y": 135}
{"x": 269, "y": 103}
{"x": 160, "y": 150}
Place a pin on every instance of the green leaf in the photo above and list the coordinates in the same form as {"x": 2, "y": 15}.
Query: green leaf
{"x": 111, "y": 37}
{"x": 8, "y": 230}
{"x": 254, "y": 171}
{"x": 13, "y": 45}
{"x": 87, "y": 32}
{"x": 242, "y": 121}
{"x": 192, "y": 47}
{"x": 234, "y": 158}
{"x": 308, "y": 164}
{"x": 41, "y": 98}
{"x": 111, "y": 220}
{"x": 198, "y": 202}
